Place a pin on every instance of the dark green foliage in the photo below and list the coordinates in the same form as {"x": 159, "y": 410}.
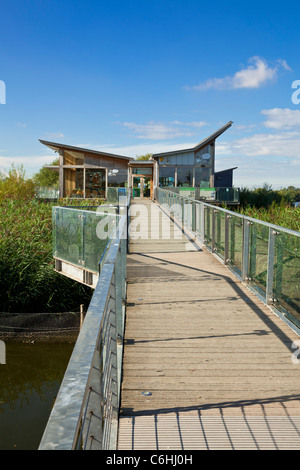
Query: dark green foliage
{"x": 28, "y": 280}
{"x": 266, "y": 196}
{"x": 15, "y": 186}
{"x": 277, "y": 214}
{"x": 47, "y": 177}
{"x": 273, "y": 206}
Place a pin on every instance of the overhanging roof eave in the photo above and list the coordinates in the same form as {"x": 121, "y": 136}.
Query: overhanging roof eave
{"x": 201, "y": 144}
{"x": 56, "y": 146}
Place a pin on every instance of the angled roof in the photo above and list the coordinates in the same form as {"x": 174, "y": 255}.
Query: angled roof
{"x": 228, "y": 169}
{"x": 201, "y": 144}
{"x": 56, "y": 146}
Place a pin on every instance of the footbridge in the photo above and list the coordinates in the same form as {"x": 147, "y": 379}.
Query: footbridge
{"x": 191, "y": 339}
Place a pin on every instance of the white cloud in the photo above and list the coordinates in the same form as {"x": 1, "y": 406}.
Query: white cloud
{"x": 163, "y": 131}
{"x": 54, "y": 135}
{"x": 253, "y": 76}
{"x": 284, "y": 64}
{"x": 29, "y": 163}
{"x": 255, "y": 171}
{"x": 285, "y": 144}
{"x": 282, "y": 119}
{"x": 191, "y": 124}
{"x": 139, "y": 149}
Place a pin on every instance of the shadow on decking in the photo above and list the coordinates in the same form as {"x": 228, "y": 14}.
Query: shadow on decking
{"x": 241, "y": 404}
{"x": 240, "y": 294}
{"x": 212, "y": 432}
{"x": 131, "y": 341}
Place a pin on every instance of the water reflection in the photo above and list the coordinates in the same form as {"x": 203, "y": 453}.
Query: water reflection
{"x": 29, "y": 382}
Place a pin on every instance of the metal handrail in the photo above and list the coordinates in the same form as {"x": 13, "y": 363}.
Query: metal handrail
{"x": 85, "y": 413}
{"x": 236, "y": 214}
{"x": 198, "y": 224}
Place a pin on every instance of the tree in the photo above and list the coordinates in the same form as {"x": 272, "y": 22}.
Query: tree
{"x": 46, "y": 176}
{"x": 144, "y": 157}
{"x": 15, "y": 185}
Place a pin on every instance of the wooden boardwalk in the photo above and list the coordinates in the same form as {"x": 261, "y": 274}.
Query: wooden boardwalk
{"x": 206, "y": 364}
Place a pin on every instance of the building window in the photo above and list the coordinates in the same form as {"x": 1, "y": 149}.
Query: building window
{"x": 117, "y": 178}
{"x": 73, "y": 182}
{"x": 166, "y": 177}
{"x": 95, "y": 183}
{"x": 202, "y": 177}
{"x": 185, "y": 176}
{"x": 73, "y": 158}
{"x": 142, "y": 171}
{"x": 204, "y": 156}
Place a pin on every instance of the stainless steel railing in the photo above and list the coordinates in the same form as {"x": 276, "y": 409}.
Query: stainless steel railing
{"x": 85, "y": 413}
{"x": 266, "y": 257}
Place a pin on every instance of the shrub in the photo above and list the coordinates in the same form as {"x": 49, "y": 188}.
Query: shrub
{"x": 28, "y": 282}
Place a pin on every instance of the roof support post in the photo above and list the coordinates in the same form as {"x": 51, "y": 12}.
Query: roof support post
{"x": 61, "y": 174}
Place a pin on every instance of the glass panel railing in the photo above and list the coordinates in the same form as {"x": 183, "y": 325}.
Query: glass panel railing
{"x": 114, "y": 195}
{"x": 67, "y": 235}
{"x": 46, "y": 192}
{"x": 81, "y": 237}
{"x": 258, "y": 256}
{"x": 208, "y": 215}
{"x": 286, "y": 285}
{"x": 98, "y": 230}
{"x": 265, "y": 256}
{"x": 227, "y": 195}
{"x": 235, "y": 243}
{"x": 220, "y": 234}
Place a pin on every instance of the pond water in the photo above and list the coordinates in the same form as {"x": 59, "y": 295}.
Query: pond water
{"x": 29, "y": 382}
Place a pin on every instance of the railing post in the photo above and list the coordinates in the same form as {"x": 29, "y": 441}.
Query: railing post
{"x": 194, "y": 216}
{"x": 213, "y": 230}
{"x": 279, "y": 269}
{"x": 83, "y": 238}
{"x": 226, "y": 247}
{"x": 270, "y": 271}
{"x": 111, "y": 394}
{"x": 232, "y": 241}
{"x": 245, "y": 258}
{"x": 118, "y": 297}
{"x": 202, "y": 223}
{"x": 253, "y": 246}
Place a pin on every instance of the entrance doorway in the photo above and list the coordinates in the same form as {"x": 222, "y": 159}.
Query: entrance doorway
{"x": 141, "y": 186}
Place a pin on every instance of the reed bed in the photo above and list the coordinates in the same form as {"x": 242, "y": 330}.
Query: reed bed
{"x": 28, "y": 282}
{"x": 277, "y": 214}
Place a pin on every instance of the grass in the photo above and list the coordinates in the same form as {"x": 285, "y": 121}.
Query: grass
{"x": 277, "y": 214}
{"x": 28, "y": 280}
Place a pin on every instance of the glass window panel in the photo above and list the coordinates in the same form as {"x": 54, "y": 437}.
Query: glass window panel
{"x": 79, "y": 179}
{"x": 95, "y": 183}
{"x": 117, "y": 178}
{"x": 69, "y": 181}
{"x": 166, "y": 177}
{"x": 204, "y": 156}
{"x": 73, "y": 158}
{"x": 185, "y": 176}
{"x": 142, "y": 171}
{"x": 202, "y": 177}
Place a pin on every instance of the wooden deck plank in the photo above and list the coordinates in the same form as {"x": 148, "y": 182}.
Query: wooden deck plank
{"x": 201, "y": 343}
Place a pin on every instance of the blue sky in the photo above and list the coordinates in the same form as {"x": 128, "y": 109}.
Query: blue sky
{"x": 133, "y": 77}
